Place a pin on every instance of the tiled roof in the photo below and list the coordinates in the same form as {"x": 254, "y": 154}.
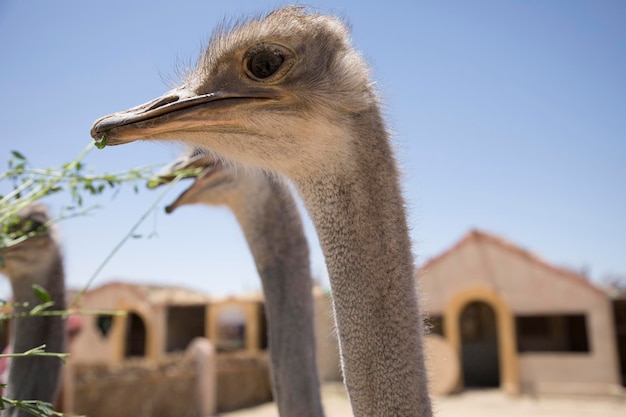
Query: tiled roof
{"x": 479, "y": 237}
{"x": 159, "y": 294}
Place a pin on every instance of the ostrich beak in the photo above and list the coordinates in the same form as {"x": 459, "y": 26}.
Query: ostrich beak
{"x": 185, "y": 166}
{"x": 182, "y": 198}
{"x": 201, "y": 167}
{"x": 203, "y": 181}
{"x": 173, "y": 112}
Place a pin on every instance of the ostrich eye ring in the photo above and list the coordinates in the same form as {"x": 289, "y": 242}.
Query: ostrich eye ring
{"x": 265, "y": 63}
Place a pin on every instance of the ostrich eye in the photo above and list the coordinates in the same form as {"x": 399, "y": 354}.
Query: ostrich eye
{"x": 265, "y": 63}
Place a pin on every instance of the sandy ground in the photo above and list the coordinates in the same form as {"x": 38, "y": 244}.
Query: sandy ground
{"x": 488, "y": 403}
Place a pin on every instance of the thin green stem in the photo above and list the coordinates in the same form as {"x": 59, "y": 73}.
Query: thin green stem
{"x": 121, "y": 243}
{"x": 36, "y": 351}
{"x": 17, "y": 190}
{"x": 62, "y": 313}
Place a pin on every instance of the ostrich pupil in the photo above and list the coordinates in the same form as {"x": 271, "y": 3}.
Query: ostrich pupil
{"x": 265, "y": 64}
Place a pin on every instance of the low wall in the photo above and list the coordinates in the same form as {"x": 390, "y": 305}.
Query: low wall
{"x": 243, "y": 380}
{"x": 567, "y": 373}
{"x": 171, "y": 387}
{"x": 137, "y": 388}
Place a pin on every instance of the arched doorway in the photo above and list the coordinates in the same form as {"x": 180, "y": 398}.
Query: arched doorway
{"x": 505, "y": 325}
{"x": 479, "y": 345}
{"x": 135, "y": 336}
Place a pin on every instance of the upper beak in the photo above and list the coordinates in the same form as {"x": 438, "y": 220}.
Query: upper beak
{"x": 188, "y": 166}
{"x": 202, "y": 180}
{"x": 104, "y": 128}
{"x": 174, "y": 111}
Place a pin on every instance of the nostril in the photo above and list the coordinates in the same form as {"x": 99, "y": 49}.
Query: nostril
{"x": 162, "y": 102}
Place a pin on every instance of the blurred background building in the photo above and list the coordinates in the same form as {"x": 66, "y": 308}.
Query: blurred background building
{"x": 497, "y": 317}
{"x": 518, "y": 323}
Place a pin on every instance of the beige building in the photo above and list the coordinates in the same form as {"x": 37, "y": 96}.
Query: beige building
{"x": 149, "y": 346}
{"x": 504, "y": 317}
{"x": 159, "y": 320}
{"x": 518, "y": 323}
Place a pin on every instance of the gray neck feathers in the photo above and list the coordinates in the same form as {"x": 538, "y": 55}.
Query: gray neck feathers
{"x": 37, "y": 377}
{"x": 361, "y": 222}
{"x": 269, "y": 218}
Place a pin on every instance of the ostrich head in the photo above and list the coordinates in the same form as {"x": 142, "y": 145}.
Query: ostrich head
{"x": 36, "y": 252}
{"x": 274, "y": 92}
{"x": 216, "y": 184}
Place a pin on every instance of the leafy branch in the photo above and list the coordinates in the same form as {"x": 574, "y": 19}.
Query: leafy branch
{"x": 31, "y": 184}
{"x": 39, "y": 408}
{"x": 34, "y": 407}
{"x": 27, "y": 185}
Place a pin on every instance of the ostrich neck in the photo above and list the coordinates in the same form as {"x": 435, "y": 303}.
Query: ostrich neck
{"x": 361, "y": 222}
{"x": 36, "y": 377}
{"x": 272, "y": 226}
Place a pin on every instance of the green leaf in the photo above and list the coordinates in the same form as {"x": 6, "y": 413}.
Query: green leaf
{"x": 101, "y": 142}
{"x": 18, "y": 155}
{"x": 42, "y": 293}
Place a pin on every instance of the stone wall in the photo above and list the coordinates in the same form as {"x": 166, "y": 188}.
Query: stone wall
{"x": 243, "y": 380}
{"x": 137, "y": 388}
{"x": 171, "y": 387}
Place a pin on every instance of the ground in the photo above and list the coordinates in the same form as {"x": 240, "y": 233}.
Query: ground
{"x": 487, "y": 403}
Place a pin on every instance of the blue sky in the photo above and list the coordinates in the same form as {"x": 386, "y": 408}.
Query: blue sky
{"x": 509, "y": 117}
